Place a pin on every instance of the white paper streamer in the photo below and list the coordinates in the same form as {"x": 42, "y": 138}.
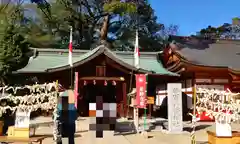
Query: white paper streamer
{"x": 208, "y": 100}
{"x": 42, "y": 96}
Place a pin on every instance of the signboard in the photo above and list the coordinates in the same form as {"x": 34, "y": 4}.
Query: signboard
{"x": 220, "y": 80}
{"x": 217, "y": 87}
{"x": 203, "y": 80}
{"x": 22, "y": 119}
{"x": 141, "y": 90}
{"x": 150, "y": 100}
{"x": 76, "y": 89}
{"x": 175, "y": 124}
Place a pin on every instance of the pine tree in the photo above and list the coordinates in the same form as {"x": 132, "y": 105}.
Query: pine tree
{"x": 115, "y": 7}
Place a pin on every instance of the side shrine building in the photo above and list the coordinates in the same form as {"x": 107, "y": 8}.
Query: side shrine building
{"x": 102, "y": 72}
{"x": 210, "y": 64}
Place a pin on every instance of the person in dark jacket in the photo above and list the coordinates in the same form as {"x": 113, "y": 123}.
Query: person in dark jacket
{"x": 68, "y": 116}
{"x": 72, "y": 113}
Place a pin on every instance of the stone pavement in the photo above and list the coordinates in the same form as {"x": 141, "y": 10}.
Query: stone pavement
{"x": 84, "y": 136}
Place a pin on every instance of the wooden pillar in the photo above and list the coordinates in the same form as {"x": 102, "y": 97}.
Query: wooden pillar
{"x": 150, "y": 107}
{"x": 124, "y": 92}
{"x": 81, "y": 104}
{"x": 119, "y": 99}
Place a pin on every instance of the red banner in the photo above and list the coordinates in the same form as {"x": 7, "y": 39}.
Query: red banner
{"x": 76, "y": 89}
{"x": 141, "y": 90}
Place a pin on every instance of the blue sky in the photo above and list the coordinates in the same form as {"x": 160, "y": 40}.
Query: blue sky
{"x": 192, "y": 15}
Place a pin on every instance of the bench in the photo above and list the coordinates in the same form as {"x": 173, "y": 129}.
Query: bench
{"x": 33, "y": 139}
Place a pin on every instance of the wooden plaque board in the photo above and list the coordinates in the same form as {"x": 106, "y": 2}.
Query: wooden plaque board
{"x": 150, "y": 100}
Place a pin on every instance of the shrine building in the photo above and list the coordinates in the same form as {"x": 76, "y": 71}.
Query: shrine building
{"x": 210, "y": 64}
{"x": 102, "y": 72}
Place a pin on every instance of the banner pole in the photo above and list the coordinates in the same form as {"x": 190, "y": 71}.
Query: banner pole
{"x": 135, "y": 109}
{"x": 145, "y": 109}
{"x": 145, "y": 119}
{"x": 193, "y": 136}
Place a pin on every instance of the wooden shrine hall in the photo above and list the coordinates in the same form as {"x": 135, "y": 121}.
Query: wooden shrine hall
{"x": 206, "y": 63}
{"x": 102, "y": 72}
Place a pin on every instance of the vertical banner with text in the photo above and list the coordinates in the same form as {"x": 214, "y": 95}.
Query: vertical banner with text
{"x": 76, "y": 89}
{"x": 141, "y": 89}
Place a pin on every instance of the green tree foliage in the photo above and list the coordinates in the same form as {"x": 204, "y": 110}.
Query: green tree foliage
{"x": 14, "y": 47}
{"x": 93, "y": 21}
{"x": 212, "y": 32}
{"x": 225, "y": 31}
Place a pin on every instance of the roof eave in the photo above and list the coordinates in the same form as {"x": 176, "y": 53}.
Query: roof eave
{"x": 168, "y": 75}
{"x": 24, "y": 72}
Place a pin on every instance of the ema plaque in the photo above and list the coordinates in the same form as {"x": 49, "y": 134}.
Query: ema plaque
{"x": 174, "y": 91}
{"x": 22, "y": 119}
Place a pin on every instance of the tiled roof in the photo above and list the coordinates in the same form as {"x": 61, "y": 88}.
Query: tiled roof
{"x": 219, "y": 53}
{"x": 53, "y": 59}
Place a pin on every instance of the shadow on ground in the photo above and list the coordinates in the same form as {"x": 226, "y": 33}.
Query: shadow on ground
{"x": 124, "y": 128}
{"x": 199, "y": 127}
{"x": 201, "y": 142}
{"x": 81, "y": 131}
{"x": 163, "y": 125}
{"x": 50, "y": 135}
{"x": 158, "y": 125}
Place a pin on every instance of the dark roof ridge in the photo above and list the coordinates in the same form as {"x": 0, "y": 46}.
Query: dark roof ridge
{"x": 204, "y": 38}
{"x": 52, "y": 50}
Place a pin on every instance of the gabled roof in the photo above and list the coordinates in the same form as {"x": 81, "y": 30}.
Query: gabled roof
{"x": 213, "y": 53}
{"x": 51, "y": 60}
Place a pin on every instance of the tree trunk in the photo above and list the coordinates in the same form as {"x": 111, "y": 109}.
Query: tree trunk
{"x": 104, "y": 29}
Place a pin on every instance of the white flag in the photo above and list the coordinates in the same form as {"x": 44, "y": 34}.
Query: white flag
{"x": 136, "y": 52}
{"x": 70, "y": 49}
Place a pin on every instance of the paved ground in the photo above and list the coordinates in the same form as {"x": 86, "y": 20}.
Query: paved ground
{"x": 84, "y": 136}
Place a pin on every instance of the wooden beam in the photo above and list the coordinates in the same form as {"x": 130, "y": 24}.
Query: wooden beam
{"x": 175, "y": 66}
{"x": 235, "y": 77}
{"x": 104, "y": 78}
{"x": 236, "y": 81}
{"x": 202, "y": 68}
{"x": 188, "y": 92}
{"x": 124, "y": 92}
{"x": 180, "y": 71}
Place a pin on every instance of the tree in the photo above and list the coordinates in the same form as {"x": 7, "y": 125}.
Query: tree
{"x": 231, "y": 32}
{"x": 13, "y": 46}
{"x": 113, "y": 21}
{"x": 115, "y": 7}
{"x": 225, "y": 31}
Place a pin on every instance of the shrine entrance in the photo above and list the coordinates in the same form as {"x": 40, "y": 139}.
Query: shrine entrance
{"x": 110, "y": 91}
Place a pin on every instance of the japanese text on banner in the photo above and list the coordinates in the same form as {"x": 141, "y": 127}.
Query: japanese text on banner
{"x": 141, "y": 90}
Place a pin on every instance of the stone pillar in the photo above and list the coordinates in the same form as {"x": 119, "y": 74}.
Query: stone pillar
{"x": 175, "y": 118}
